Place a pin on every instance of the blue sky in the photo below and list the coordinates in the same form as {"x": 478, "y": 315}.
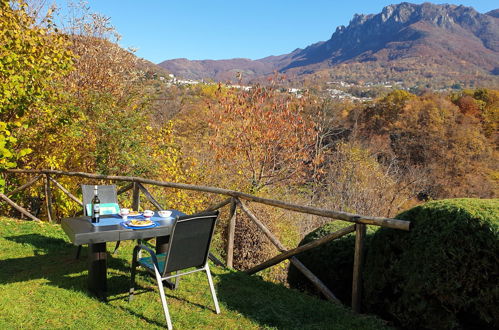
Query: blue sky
{"x": 216, "y": 29}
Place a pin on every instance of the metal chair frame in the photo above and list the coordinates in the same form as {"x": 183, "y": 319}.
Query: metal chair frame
{"x": 165, "y": 273}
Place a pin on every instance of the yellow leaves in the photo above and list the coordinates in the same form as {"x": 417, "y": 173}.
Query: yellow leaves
{"x": 24, "y": 152}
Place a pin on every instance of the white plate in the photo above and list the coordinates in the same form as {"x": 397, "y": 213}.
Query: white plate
{"x": 139, "y": 223}
{"x": 130, "y": 215}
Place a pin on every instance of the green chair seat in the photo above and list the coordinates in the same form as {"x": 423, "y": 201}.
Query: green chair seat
{"x": 189, "y": 247}
{"x": 147, "y": 262}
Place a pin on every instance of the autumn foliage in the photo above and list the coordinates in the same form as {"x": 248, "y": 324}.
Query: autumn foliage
{"x": 33, "y": 60}
{"x": 79, "y": 102}
{"x": 72, "y": 99}
{"x": 448, "y": 143}
{"x": 261, "y": 136}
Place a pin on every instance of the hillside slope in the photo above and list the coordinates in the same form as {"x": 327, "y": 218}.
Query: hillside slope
{"x": 43, "y": 286}
{"x": 433, "y": 42}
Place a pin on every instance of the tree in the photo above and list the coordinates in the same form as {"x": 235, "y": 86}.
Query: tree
{"x": 101, "y": 119}
{"x": 33, "y": 59}
{"x": 261, "y": 137}
{"x": 440, "y": 139}
{"x": 490, "y": 111}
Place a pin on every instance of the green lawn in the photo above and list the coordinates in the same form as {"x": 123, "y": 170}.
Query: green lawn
{"x": 43, "y": 286}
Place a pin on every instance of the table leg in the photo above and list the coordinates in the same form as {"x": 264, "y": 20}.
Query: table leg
{"x": 162, "y": 244}
{"x": 97, "y": 270}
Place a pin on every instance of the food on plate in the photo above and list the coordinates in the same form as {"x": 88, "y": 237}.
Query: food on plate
{"x": 141, "y": 222}
{"x": 133, "y": 213}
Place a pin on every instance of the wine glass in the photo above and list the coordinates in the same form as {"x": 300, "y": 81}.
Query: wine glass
{"x": 148, "y": 214}
{"x": 124, "y": 213}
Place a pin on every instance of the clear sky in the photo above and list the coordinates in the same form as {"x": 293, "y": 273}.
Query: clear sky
{"x": 217, "y": 29}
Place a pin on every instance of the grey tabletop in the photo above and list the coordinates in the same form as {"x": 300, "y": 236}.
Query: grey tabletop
{"x": 80, "y": 230}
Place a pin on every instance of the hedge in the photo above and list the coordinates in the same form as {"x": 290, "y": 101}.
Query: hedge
{"x": 443, "y": 273}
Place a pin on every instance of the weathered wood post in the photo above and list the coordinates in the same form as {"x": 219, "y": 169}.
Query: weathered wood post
{"x": 136, "y": 196}
{"x": 150, "y": 197}
{"x": 64, "y": 190}
{"x": 17, "y": 207}
{"x": 358, "y": 261}
{"x": 24, "y": 186}
{"x": 48, "y": 197}
{"x": 231, "y": 233}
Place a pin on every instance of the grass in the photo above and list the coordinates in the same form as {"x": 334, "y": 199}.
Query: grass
{"x": 42, "y": 286}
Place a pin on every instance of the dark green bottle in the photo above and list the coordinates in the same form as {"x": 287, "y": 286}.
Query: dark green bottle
{"x": 96, "y": 206}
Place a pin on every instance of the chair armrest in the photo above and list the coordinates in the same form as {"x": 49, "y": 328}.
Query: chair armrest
{"x": 148, "y": 250}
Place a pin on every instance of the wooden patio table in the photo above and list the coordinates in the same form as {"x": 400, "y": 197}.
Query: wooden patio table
{"x": 81, "y": 230}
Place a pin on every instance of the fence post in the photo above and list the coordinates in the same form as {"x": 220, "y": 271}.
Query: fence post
{"x": 48, "y": 197}
{"x": 136, "y": 196}
{"x": 17, "y": 207}
{"x": 358, "y": 262}
{"x": 64, "y": 190}
{"x": 231, "y": 233}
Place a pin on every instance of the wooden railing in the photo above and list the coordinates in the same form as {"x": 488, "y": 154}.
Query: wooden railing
{"x": 236, "y": 200}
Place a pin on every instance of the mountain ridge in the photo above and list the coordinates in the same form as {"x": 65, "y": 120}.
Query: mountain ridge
{"x": 435, "y": 37}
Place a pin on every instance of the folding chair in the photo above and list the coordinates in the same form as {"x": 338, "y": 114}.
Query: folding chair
{"x": 189, "y": 247}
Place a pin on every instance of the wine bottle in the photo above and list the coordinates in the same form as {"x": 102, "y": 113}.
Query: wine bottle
{"x": 96, "y": 206}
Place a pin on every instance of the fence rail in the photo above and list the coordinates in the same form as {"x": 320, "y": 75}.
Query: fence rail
{"x": 237, "y": 200}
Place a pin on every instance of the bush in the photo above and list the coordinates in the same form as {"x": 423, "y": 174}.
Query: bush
{"x": 443, "y": 273}
{"x": 332, "y": 262}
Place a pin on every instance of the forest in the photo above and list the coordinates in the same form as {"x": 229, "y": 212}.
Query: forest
{"x": 72, "y": 99}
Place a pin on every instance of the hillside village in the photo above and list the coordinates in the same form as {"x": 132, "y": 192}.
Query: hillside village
{"x": 334, "y": 93}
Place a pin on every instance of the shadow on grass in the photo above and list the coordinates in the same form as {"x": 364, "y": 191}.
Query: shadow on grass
{"x": 267, "y": 304}
{"x": 54, "y": 260}
{"x": 273, "y": 305}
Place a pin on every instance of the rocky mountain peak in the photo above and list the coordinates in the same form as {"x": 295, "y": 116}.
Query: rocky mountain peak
{"x": 397, "y": 13}
{"x": 430, "y": 36}
{"x": 359, "y": 19}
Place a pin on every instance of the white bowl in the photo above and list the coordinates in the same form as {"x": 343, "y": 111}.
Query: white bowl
{"x": 164, "y": 214}
{"x": 148, "y": 213}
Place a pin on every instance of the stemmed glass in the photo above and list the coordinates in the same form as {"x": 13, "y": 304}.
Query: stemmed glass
{"x": 148, "y": 214}
{"x": 124, "y": 214}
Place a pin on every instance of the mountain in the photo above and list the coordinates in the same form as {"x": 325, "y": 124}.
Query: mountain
{"x": 219, "y": 70}
{"x": 437, "y": 44}
{"x": 150, "y": 69}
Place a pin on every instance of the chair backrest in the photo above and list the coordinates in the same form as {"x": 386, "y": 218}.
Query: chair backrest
{"x": 107, "y": 195}
{"x": 190, "y": 241}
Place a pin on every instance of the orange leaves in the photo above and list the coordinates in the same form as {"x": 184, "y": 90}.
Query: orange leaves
{"x": 262, "y": 135}
{"x": 468, "y": 105}
{"x": 443, "y": 138}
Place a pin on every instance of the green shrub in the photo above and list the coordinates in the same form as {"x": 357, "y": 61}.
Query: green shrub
{"x": 332, "y": 262}
{"x": 443, "y": 273}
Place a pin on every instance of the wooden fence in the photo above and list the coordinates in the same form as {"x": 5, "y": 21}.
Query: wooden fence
{"x": 236, "y": 200}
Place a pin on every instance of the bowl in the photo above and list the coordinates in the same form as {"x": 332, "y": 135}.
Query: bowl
{"x": 148, "y": 213}
{"x": 164, "y": 213}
